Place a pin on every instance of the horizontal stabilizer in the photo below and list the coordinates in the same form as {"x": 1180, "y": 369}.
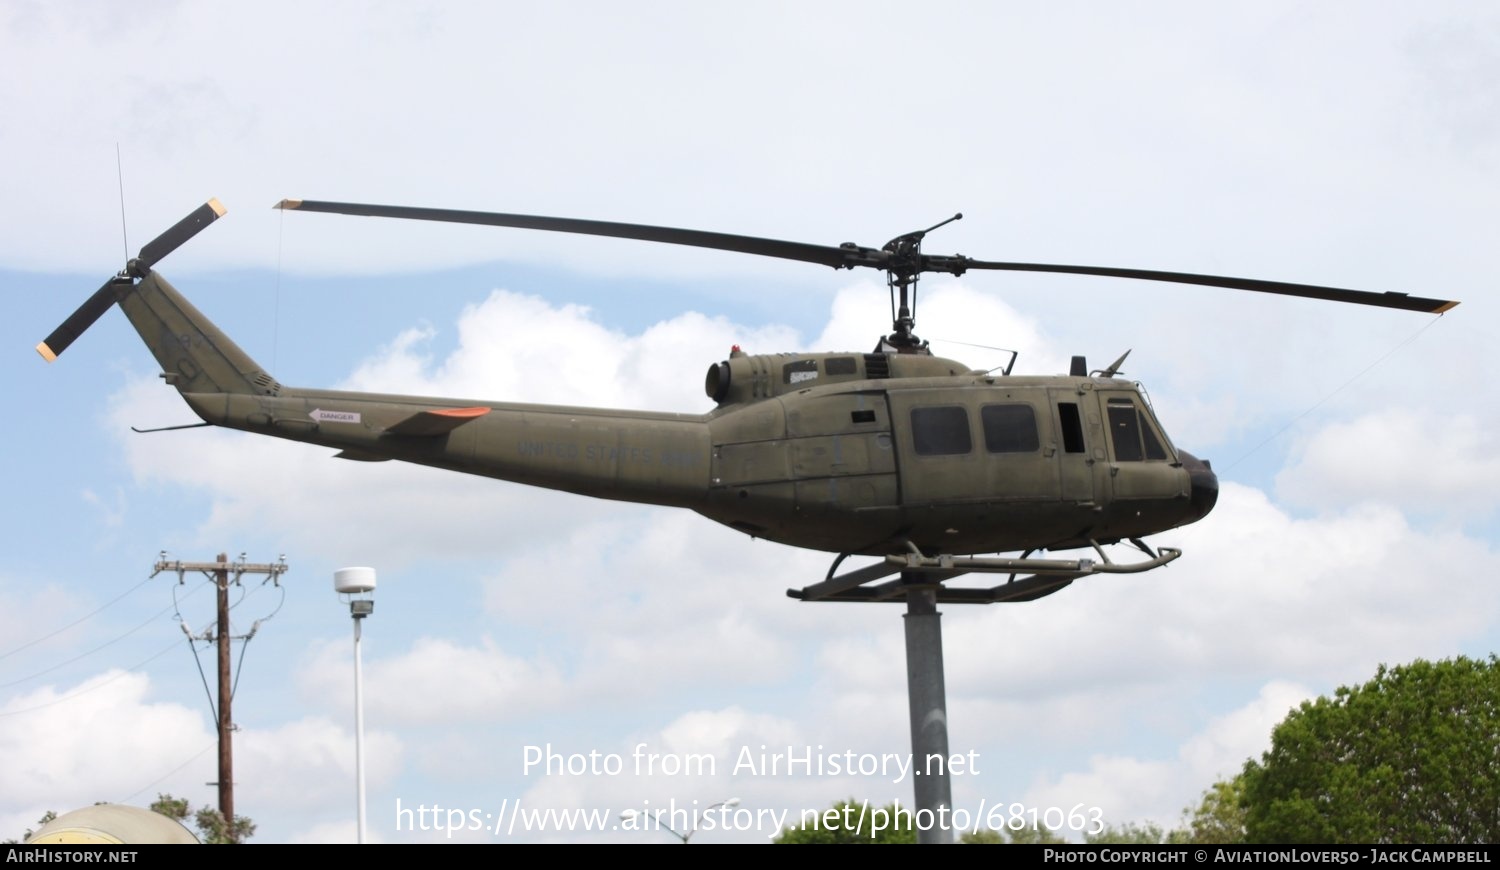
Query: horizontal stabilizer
{"x": 429, "y": 423}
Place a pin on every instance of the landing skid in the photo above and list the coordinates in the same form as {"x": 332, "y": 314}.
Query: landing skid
{"x": 1046, "y": 576}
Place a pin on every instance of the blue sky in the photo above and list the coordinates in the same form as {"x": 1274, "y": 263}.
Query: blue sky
{"x": 1352, "y": 145}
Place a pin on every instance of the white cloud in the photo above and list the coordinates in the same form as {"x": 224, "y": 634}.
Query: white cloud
{"x": 112, "y": 511}
{"x": 307, "y": 766}
{"x": 1257, "y": 592}
{"x": 436, "y": 681}
{"x": 520, "y": 348}
{"x": 103, "y": 739}
{"x": 1440, "y": 462}
{"x": 20, "y": 601}
{"x": 1133, "y": 789}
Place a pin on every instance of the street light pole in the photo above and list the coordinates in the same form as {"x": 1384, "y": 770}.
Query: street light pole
{"x": 358, "y": 584}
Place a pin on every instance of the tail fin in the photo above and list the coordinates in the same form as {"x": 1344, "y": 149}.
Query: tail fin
{"x": 195, "y": 356}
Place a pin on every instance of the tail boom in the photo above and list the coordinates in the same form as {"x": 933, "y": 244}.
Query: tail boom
{"x": 656, "y": 458}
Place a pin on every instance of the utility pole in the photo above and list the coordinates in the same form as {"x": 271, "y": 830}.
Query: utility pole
{"x": 219, "y": 571}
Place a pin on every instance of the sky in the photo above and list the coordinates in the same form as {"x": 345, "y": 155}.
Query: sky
{"x": 562, "y": 655}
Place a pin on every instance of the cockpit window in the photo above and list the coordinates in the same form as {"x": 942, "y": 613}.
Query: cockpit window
{"x": 941, "y": 431}
{"x": 1125, "y": 430}
{"x": 1154, "y": 450}
{"x": 1133, "y": 437}
{"x": 1009, "y": 428}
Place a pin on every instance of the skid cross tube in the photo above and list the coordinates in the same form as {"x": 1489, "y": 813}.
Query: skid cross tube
{"x": 1046, "y": 576}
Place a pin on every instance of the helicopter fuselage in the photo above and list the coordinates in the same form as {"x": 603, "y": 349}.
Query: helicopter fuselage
{"x": 867, "y": 451}
{"x": 847, "y": 453}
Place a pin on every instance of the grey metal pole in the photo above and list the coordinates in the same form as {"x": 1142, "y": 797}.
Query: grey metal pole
{"x": 359, "y": 728}
{"x": 927, "y": 696}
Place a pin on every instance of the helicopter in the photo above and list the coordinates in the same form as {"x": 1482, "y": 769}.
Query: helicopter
{"x": 920, "y": 461}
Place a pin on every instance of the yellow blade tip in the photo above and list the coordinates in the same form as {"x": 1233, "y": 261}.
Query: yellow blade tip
{"x": 217, "y": 206}
{"x": 46, "y": 352}
{"x": 288, "y": 204}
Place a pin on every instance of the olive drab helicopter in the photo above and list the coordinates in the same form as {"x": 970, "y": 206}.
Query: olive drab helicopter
{"x": 918, "y": 460}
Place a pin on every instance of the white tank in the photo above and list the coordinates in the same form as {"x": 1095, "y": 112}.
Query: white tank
{"x": 112, "y": 823}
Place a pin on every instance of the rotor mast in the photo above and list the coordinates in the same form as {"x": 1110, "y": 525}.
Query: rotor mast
{"x": 903, "y": 267}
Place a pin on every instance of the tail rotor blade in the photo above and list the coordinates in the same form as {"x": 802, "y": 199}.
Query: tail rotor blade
{"x": 95, "y": 306}
{"x": 180, "y": 232}
{"x": 91, "y": 310}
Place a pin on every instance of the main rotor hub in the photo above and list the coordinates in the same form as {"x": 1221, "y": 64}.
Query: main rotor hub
{"x": 904, "y": 265}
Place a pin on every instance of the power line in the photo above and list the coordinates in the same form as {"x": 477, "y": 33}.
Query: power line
{"x": 95, "y": 612}
{"x": 153, "y": 782}
{"x": 1340, "y": 388}
{"x": 149, "y": 620}
{"x": 123, "y": 673}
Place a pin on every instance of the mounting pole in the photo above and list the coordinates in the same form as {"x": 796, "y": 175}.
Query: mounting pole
{"x": 927, "y": 697}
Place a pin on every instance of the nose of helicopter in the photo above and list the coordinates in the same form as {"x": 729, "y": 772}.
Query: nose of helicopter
{"x": 1205, "y": 486}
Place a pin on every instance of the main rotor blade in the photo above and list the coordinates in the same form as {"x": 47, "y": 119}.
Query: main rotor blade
{"x": 848, "y": 256}
{"x": 838, "y": 258}
{"x": 1310, "y": 291}
{"x": 91, "y": 310}
{"x": 180, "y": 232}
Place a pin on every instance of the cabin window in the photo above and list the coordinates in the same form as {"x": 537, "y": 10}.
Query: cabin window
{"x": 941, "y": 431}
{"x": 1009, "y": 428}
{"x": 840, "y": 365}
{"x": 1133, "y": 437}
{"x": 1072, "y": 427}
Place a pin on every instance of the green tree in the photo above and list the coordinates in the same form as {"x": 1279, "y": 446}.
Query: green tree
{"x": 1219, "y": 816}
{"x": 852, "y": 822}
{"x": 1031, "y": 835}
{"x": 208, "y": 821}
{"x": 1128, "y": 834}
{"x": 1409, "y": 757}
{"x": 1036, "y": 835}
